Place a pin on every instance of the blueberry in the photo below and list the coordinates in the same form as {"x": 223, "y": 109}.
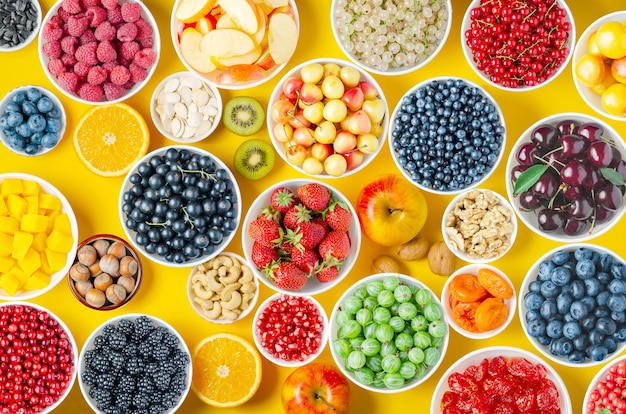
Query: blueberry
{"x": 585, "y": 268}
{"x": 571, "y": 330}
{"x": 619, "y": 317}
{"x": 581, "y": 342}
{"x": 31, "y": 149}
{"x": 536, "y": 327}
{"x": 617, "y": 286}
{"x": 618, "y": 270}
{"x": 617, "y": 302}
{"x": 44, "y": 104}
{"x": 578, "y": 310}
{"x": 17, "y": 142}
{"x": 554, "y": 328}
{"x": 29, "y": 108}
{"x": 531, "y": 315}
{"x": 549, "y": 289}
{"x": 563, "y": 303}
{"x": 592, "y": 287}
{"x": 561, "y": 276}
{"x": 545, "y": 269}
{"x": 620, "y": 334}
{"x": 33, "y": 94}
{"x": 53, "y": 125}
{"x": 24, "y": 130}
{"x": 36, "y": 122}
{"x": 577, "y": 289}
{"x": 18, "y": 97}
{"x": 561, "y": 257}
{"x": 561, "y": 347}
{"x": 597, "y": 353}
{"x": 14, "y": 119}
{"x": 548, "y": 309}
{"x": 603, "y": 277}
{"x": 582, "y": 253}
{"x": 534, "y": 286}
{"x": 576, "y": 356}
{"x": 610, "y": 343}
{"x": 588, "y": 323}
{"x": 595, "y": 337}
{"x": 606, "y": 326}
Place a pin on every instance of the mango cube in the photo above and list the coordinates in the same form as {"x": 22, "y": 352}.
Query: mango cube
{"x": 37, "y": 280}
{"x": 30, "y": 263}
{"x": 6, "y": 244}
{"x": 55, "y": 260}
{"x": 39, "y": 242}
{"x": 62, "y": 223}
{"x": 13, "y": 280}
{"x": 30, "y": 188}
{"x": 33, "y": 204}
{"x": 49, "y": 202}
{"x": 17, "y": 206}
{"x": 6, "y": 263}
{"x": 8, "y": 224}
{"x": 4, "y": 210}
{"x": 21, "y": 243}
{"x": 11, "y": 186}
{"x": 59, "y": 241}
{"x": 34, "y": 223}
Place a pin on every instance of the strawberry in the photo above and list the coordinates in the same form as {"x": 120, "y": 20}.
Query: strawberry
{"x": 338, "y": 216}
{"x": 282, "y": 199}
{"x": 327, "y": 274}
{"x": 307, "y": 236}
{"x": 320, "y": 220}
{"x": 335, "y": 244}
{"x": 263, "y": 256}
{"x": 271, "y": 213}
{"x": 296, "y": 215}
{"x": 305, "y": 259}
{"x": 287, "y": 276}
{"x": 264, "y": 231}
{"x": 314, "y": 196}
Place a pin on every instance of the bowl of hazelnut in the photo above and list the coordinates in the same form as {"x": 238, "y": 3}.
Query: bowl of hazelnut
{"x": 106, "y": 272}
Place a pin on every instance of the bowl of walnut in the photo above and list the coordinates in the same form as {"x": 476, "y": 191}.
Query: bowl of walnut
{"x": 479, "y": 226}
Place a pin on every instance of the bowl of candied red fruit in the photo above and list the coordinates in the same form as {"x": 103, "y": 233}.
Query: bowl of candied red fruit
{"x": 509, "y": 378}
{"x": 565, "y": 177}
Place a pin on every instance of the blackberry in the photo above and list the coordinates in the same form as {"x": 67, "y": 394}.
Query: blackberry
{"x": 156, "y": 335}
{"x": 131, "y": 350}
{"x": 143, "y": 327}
{"x": 180, "y": 359}
{"x": 160, "y": 352}
{"x": 123, "y": 400}
{"x": 108, "y": 330}
{"x": 168, "y": 366}
{"x": 145, "y": 386}
{"x": 100, "y": 342}
{"x": 161, "y": 380}
{"x": 112, "y": 410}
{"x": 141, "y": 400}
{"x": 100, "y": 363}
{"x": 170, "y": 399}
{"x": 134, "y": 366}
{"x": 89, "y": 355}
{"x": 139, "y": 411}
{"x": 105, "y": 381}
{"x": 117, "y": 340}
{"x": 88, "y": 378}
{"x": 126, "y": 326}
{"x": 145, "y": 350}
{"x": 126, "y": 382}
{"x": 100, "y": 396}
{"x": 156, "y": 397}
{"x": 151, "y": 368}
{"x": 117, "y": 361}
{"x": 170, "y": 340}
{"x": 156, "y": 409}
{"x": 178, "y": 382}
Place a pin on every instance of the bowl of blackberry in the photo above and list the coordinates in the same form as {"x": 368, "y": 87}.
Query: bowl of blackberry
{"x": 565, "y": 177}
{"x": 180, "y": 206}
{"x": 447, "y": 135}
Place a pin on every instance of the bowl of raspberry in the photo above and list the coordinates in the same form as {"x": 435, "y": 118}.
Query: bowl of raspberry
{"x": 532, "y": 45}
{"x": 503, "y": 377}
{"x": 101, "y": 53}
{"x": 565, "y": 177}
{"x": 572, "y": 305}
{"x": 301, "y": 237}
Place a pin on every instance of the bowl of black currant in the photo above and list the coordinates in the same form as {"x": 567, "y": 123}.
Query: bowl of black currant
{"x": 180, "y": 206}
{"x": 565, "y": 177}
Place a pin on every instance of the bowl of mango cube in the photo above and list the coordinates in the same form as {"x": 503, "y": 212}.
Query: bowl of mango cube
{"x": 38, "y": 236}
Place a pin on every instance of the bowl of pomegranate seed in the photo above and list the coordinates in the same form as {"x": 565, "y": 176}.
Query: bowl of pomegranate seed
{"x": 101, "y": 54}
{"x": 518, "y": 46}
{"x": 488, "y": 377}
{"x": 605, "y": 390}
{"x": 565, "y": 177}
{"x": 49, "y": 339}
{"x": 301, "y": 237}
{"x": 290, "y": 331}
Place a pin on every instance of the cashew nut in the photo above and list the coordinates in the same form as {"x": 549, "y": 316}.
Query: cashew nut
{"x": 231, "y": 275}
{"x": 229, "y": 315}
{"x": 233, "y": 303}
{"x": 246, "y": 275}
{"x": 249, "y": 287}
{"x": 211, "y": 280}
{"x": 215, "y": 312}
{"x": 221, "y": 261}
{"x": 229, "y": 290}
{"x": 201, "y": 291}
{"x": 246, "y": 299}
{"x": 205, "y": 304}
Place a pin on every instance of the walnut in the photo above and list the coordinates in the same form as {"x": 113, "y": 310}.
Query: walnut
{"x": 440, "y": 259}
{"x": 385, "y": 264}
{"x": 414, "y": 249}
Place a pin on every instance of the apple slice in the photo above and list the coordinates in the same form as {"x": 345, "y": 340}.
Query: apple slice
{"x": 266, "y": 61}
{"x": 240, "y": 73}
{"x": 227, "y": 21}
{"x": 244, "y": 12}
{"x": 204, "y": 25}
{"x": 259, "y": 35}
{"x": 190, "y": 47}
{"x": 274, "y": 3}
{"x": 245, "y": 59}
{"x": 189, "y": 11}
{"x": 227, "y": 43}
{"x": 282, "y": 37}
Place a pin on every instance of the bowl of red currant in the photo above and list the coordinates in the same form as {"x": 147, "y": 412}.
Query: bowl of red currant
{"x": 565, "y": 177}
{"x": 604, "y": 392}
{"x": 518, "y": 46}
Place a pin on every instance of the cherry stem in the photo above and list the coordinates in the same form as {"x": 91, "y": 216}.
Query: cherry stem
{"x": 320, "y": 397}
{"x": 595, "y": 211}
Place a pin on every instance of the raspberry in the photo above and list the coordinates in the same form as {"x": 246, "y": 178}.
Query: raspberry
{"x": 144, "y": 29}
{"x": 131, "y": 12}
{"x": 127, "y": 50}
{"x": 115, "y": 16}
{"x": 146, "y": 43}
{"x": 52, "y": 50}
{"x": 127, "y": 32}
{"x": 76, "y": 25}
{"x": 145, "y": 58}
{"x": 91, "y": 93}
{"x": 120, "y": 75}
{"x": 56, "y": 67}
{"x": 97, "y": 75}
{"x": 71, "y": 6}
{"x": 68, "y": 81}
{"x": 109, "y": 66}
{"x": 96, "y": 15}
{"x": 91, "y": 3}
{"x": 88, "y": 36}
{"x": 50, "y": 32}
{"x": 113, "y": 91}
{"x": 63, "y": 15}
{"x": 69, "y": 44}
{"x": 81, "y": 69}
{"x": 68, "y": 60}
{"x": 109, "y": 4}
{"x": 87, "y": 53}
{"x": 137, "y": 73}
{"x": 106, "y": 52}
{"x": 105, "y": 31}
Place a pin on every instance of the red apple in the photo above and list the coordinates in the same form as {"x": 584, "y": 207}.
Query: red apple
{"x": 316, "y": 388}
{"x": 391, "y": 210}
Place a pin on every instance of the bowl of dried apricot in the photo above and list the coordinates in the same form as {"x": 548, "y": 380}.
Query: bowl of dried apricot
{"x": 479, "y": 301}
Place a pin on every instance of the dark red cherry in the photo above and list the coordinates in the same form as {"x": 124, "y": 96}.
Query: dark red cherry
{"x": 571, "y": 192}
{"x": 590, "y": 131}
{"x": 602, "y": 154}
{"x": 567, "y": 127}
{"x": 581, "y": 208}
{"x": 529, "y": 200}
{"x": 594, "y": 179}
{"x": 550, "y": 219}
{"x": 574, "y": 173}
{"x": 545, "y": 137}
{"x": 610, "y": 197}
{"x": 573, "y": 227}
{"x": 546, "y": 186}
{"x": 620, "y": 167}
{"x": 517, "y": 171}
{"x": 526, "y": 154}
{"x": 573, "y": 145}
{"x": 602, "y": 214}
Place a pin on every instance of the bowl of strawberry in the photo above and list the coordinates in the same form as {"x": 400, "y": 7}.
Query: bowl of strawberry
{"x": 301, "y": 237}
{"x": 605, "y": 393}
{"x": 518, "y": 46}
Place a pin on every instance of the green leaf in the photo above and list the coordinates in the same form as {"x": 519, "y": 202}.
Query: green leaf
{"x": 529, "y": 177}
{"x": 612, "y": 176}
{"x": 604, "y": 411}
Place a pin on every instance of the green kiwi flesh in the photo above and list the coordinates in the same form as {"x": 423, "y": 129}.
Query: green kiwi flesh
{"x": 254, "y": 159}
{"x": 243, "y": 115}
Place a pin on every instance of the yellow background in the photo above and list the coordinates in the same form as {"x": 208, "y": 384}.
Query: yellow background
{"x": 94, "y": 200}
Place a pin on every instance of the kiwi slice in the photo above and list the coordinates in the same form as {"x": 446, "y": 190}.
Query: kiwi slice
{"x": 254, "y": 159}
{"x": 243, "y": 115}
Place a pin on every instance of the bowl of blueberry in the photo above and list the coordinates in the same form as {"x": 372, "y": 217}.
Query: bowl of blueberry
{"x": 32, "y": 120}
{"x": 447, "y": 135}
{"x": 565, "y": 177}
{"x": 180, "y": 206}
{"x": 572, "y": 305}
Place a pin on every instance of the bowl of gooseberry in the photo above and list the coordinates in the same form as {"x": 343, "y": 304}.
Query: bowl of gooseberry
{"x": 392, "y": 38}
{"x": 388, "y": 333}
{"x": 327, "y": 118}
{"x": 605, "y": 389}
{"x": 565, "y": 177}
{"x": 572, "y": 305}
{"x": 503, "y": 377}
{"x": 532, "y": 46}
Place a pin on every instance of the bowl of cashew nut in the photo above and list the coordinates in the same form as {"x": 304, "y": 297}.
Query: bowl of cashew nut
{"x": 223, "y": 289}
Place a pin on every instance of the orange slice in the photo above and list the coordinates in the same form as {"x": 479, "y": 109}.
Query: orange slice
{"x": 226, "y": 370}
{"x": 109, "y": 139}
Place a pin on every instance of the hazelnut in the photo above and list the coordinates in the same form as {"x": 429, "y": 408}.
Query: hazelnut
{"x": 414, "y": 249}
{"x": 83, "y": 286}
{"x": 110, "y": 264}
{"x": 128, "y": 282}
{"x": 102, "y": 281}
{"x": 79, "y": 271}
{"x": 101, "y": 246}
{"x": 94, "y": 269}
{"x": 95, "y": 298}
{"x": 117, "y": 249}
{"x": 116, "y": 294}
{"x": 385, "y": 264}
{"x": 128, "y": 266}
{"x": 87, "y": 255}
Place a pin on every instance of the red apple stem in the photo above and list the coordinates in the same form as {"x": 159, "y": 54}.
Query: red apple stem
{"x": 318, "y": 396}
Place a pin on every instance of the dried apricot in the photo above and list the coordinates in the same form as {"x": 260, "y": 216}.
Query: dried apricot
{"x": 495, "y": 284}
{"x": 466, "y": 288}
{"x": 491, "y": 314}
{"x": 463, "y": 314}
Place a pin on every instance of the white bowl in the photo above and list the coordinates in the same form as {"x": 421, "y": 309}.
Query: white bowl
{"x": 232, "y": 192}
{"x": 136, "y": 87}
{"x": 346, "y": 35}
{"x": 181, "y": 127}
{"x": 292, "y": 327}
{"x": 528, "y": 314}
{"x": 463, "y": 208}
{"x": 36, "y": 8}
{"x": 216, "y": 271}
{"x": 611, "y": 368}
{"x": 312, "y": 286}
{"x": 32, "y": 307}
{"x": 425, "y": 87}
{"x": 529, "y": 218}
{"x": 58, "y": 105}
{"x": 213, "y": 77}
{"x": 90, "y": 345}
{"x": 55, "y": 278}
{"x": 474, "y": 358}
{"x": 473, "y": 269}
{"x": 466, "y": 25}
{"x": 277, "y": 95}
{"x": 592, "y": 99}
{"x": 358, "y": 289}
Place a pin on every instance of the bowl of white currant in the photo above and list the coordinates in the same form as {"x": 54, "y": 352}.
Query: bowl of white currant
{"x": 180, "y": 206}
{"x": 565, "y": 177}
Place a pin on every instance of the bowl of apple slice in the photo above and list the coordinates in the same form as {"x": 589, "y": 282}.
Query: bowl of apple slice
{"x": 236, "y": 44}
